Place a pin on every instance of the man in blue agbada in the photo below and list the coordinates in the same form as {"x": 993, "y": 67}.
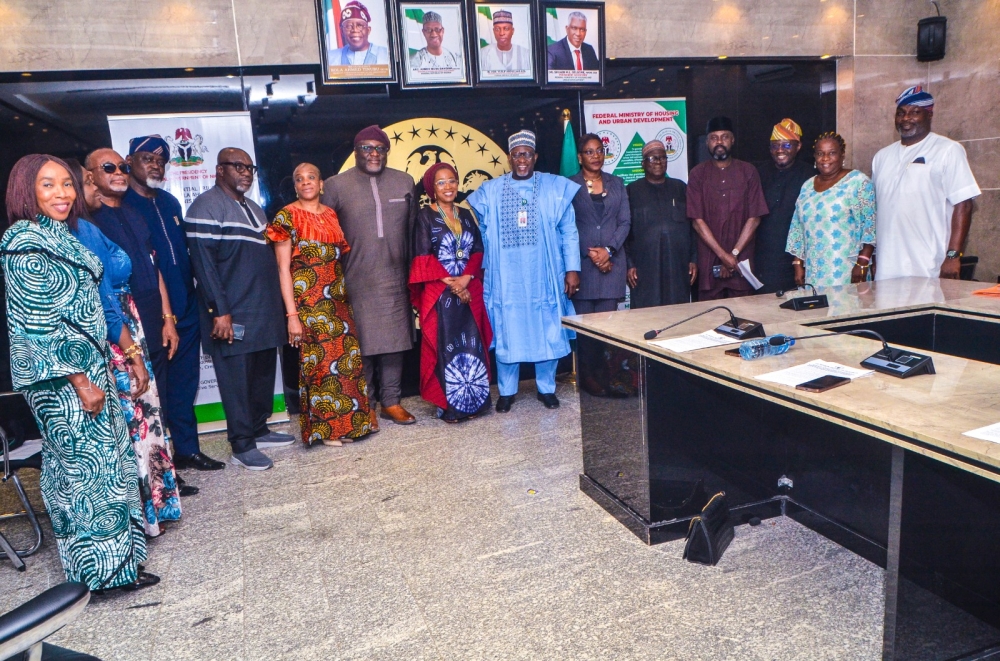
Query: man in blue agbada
{"x": 532, "y": 263}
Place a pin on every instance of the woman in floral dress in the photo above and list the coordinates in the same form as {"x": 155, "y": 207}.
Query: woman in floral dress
{"x": 446, "y": 286}
{"x": 832, "y": 235}
{"x": 309, "y": 245}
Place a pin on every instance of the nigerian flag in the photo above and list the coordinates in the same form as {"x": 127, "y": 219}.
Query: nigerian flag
{"x": 568, "y": 165}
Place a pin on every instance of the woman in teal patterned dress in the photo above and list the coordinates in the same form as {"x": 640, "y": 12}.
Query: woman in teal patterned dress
{"x": 832, "y": 235}
{"x": 59, "y": 361}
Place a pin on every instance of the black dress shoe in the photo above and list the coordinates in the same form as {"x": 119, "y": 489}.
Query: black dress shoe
{"x": 143, "y": 580}
{"x": 187, "y": 490}
{"x": 198, "y": 461}
{"x": 549, "y": 399}
{"x": 503, "y": 403}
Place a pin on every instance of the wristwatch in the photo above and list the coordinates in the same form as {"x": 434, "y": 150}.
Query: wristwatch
{"x": 611, "y": 251}
{"x": 736, "y": 252}
{"x": 952, "y": 254}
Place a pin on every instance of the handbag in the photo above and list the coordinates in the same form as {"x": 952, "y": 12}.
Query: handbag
{"x": 710, "y": 532}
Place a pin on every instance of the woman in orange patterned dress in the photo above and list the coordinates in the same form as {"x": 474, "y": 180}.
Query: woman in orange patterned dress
{"x": 309, "y": 245}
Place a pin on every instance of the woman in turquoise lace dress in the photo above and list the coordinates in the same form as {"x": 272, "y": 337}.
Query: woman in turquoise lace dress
{"x": 832, "y": 235}
{"x": 59, "y": 360}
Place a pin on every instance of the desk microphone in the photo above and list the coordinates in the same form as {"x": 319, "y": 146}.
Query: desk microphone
{"x": 803, "y": 302}
{"x": 740, "y": 329}
{"x": 896, "y": 362}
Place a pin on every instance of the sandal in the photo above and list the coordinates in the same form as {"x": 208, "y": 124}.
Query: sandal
{"x": 333, "y": 442}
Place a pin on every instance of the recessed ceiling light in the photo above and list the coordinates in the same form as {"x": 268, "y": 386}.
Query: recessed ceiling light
{"x": 825, "y": 57}
{"x": 26, "y": 74}
{"x": 723, "y": 57}
{"x": 189, "y": 69}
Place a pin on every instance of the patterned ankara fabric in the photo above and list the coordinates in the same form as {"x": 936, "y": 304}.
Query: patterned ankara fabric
{"x": 828, "y": 229}
{"x": 57, "y": 328}
{"x": 786, "y": 130}
{"x": 455, "y": 352}
{"x": 915, "y": 96}
{"x": 157, "y": 479}
{"x": 332, "y": 389}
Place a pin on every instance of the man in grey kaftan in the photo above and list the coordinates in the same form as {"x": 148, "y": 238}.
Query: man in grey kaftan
{"x": 376, "y": 206}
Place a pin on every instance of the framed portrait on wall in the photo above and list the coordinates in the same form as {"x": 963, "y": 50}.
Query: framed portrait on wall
{"x": 355, "y": 39}
{"x": 503, "y": 43}
{"x": 433, "y": 48}
{"x": 574, "y": 43}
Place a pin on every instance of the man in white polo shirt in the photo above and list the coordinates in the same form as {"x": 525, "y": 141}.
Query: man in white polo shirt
{"x": 924, "y": 190}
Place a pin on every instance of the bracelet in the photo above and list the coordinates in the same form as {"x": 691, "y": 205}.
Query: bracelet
{"x": 172, "y": 317}
{"x": 863, "y": 266}
{"x": 291, "y": 314}
{"x": 88, "y": 388}
{"x": 867, "y": 259}
{"x": 132, "y": 352}
{"x": 796, "y": 262}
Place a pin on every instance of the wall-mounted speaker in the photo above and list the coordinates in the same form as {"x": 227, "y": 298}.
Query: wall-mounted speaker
{"x": 931, "y": 34}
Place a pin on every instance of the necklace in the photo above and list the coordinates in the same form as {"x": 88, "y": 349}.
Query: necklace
{"x": 590, "y": 186}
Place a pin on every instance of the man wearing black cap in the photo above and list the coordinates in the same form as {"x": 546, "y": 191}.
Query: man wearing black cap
{"x": 376, "y": 207}
{"x": 177, "y": 377}
{"x": 725, "y": 203}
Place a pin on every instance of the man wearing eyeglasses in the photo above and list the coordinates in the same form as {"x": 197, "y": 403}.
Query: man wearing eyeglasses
{"x": 178, "y": 377}
{"x": 532, "y": 261}
{"x": 434, "y": 55}
{"x": 377, "y": 207}
{"x": 781, "y": 181}
{"x": 242, "y": 320}
{"x": 128, "y": 229}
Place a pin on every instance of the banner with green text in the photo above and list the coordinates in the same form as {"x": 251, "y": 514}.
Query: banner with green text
{"x": 625, "y": 125}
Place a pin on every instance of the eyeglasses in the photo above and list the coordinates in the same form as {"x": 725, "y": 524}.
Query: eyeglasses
{"x": 434, "y": 30}
{"x": 381, "y": 150}
{"x": 446, "y": 182}
{"x": 522, "y": 155}
{"x": 110, "y": 168}
{"x": 775, "y": 146}
{"x": 655, "y": 159}
{"x": 241, "y": 168}
{"x": 600, "y": 151}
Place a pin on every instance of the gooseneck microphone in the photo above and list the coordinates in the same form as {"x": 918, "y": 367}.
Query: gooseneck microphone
{"x": 800, "y": 303}
{"x": 900, "y": 363}
{"x": 737, "y": 328}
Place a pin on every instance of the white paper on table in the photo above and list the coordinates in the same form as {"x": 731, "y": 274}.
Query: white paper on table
{"x": 814, "y": 369}
{"x": 692, "y": 342}
{"x": 744, "y": 268}
{"x": 989, "y": 433}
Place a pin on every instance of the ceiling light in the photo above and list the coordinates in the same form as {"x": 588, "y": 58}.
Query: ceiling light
{"x": 26, "y": 74}
{"x": 723, "y": 57}
{"x": 189, "y": 69}
{"x": 825, "y": 57}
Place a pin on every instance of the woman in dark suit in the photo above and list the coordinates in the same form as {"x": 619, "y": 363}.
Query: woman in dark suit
{"x": 603, "y": 221}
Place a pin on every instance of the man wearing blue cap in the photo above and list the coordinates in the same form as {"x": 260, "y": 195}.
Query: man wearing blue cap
{"x": 924, "y": 190}
{"x": 532, "y": 262}
{"x": 176, "y": 376}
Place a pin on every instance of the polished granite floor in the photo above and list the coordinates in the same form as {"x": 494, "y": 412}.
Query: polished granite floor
{"x": 461, "y": 542}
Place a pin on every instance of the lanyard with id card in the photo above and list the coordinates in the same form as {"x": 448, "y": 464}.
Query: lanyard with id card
{"x": 522, "y": 214}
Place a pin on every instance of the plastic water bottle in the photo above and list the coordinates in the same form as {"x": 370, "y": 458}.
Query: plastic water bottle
{"x": 773, "y": 345}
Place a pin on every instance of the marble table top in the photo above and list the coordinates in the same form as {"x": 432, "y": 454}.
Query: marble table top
{"x": 926, "y": 413}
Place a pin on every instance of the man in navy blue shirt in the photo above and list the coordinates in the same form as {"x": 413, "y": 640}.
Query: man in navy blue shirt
{"x": 177, "y": 376}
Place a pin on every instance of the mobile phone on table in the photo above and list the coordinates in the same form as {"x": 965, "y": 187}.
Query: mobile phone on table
{"x": 823, "y": 383}
{"x": 733, "y": 352}
{"x": 238, "y": 331}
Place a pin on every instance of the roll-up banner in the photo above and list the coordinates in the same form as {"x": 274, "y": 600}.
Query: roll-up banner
{"x": 195, "y": 140}
{"x": 626, "y": 125}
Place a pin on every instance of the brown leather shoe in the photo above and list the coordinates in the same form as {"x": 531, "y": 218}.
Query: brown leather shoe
{"x": 397, "y": 414}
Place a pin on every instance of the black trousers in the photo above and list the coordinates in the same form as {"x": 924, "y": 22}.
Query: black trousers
{"x": 246, "y": 386}
{"x": 591, "y": 305}
{"x": 177, "y": 382}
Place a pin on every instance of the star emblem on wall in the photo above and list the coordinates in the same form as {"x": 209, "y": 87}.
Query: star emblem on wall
{"x": 398, "y": 137}
{"x": 450, "y": 134}
{"x": 414, "y": 131}
{"x": 432, "y": 131}
{"x": 466, "y": 139}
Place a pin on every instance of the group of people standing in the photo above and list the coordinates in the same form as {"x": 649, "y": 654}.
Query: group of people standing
{"x": 111, "y": 289}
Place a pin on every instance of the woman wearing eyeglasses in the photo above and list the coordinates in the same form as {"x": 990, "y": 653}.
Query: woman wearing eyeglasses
{"x": 310, "y": 245}
{"x": 446, "y": 285}
{"x": 603, "y": 221}
{"x": 59, "y": 360}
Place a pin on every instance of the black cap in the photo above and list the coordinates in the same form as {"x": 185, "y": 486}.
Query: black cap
{"x": 720, "y": 123}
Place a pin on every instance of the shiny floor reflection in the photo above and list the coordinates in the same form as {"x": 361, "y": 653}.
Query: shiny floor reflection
{"x": 469, "y": 541}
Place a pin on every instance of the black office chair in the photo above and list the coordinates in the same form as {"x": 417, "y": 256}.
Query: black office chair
{"x": 28, "y": 455}
{"x": 23, "y": 629}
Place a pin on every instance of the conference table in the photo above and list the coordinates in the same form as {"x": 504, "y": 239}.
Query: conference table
{"x": 881, "y": 465}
